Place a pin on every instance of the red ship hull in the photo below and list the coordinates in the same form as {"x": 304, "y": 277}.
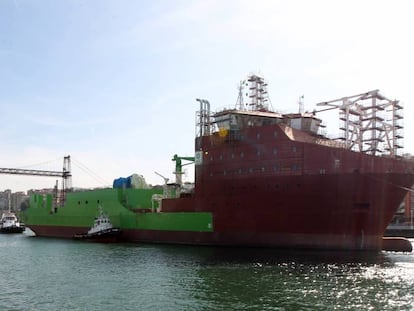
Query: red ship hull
{"x": 267, "y": 184}
{"x": 318, "y": 198}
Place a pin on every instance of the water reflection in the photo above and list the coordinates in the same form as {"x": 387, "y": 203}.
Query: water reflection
{"x": 263, "y": 279}
{"x": 53, "y": 273}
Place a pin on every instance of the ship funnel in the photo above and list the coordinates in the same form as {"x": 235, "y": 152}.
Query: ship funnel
{"x": 204, "y": 117}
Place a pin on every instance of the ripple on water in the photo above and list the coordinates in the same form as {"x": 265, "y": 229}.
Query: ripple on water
{"x": 49, "y": 274}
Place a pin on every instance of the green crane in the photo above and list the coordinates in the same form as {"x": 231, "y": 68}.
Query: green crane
{"x": 179, "y": 167}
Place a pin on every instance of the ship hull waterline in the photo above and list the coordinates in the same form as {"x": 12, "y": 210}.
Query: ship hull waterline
{"x": 269, "y": 240}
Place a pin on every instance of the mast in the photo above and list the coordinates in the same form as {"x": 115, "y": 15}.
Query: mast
{"x": 240, "y": 102}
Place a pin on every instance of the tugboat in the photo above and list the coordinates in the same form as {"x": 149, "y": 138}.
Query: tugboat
{"x": 9, "y": 223}
{"x": 102, "y": 230}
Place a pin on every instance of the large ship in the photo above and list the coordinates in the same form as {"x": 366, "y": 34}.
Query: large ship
{"x": 262, "y": 179}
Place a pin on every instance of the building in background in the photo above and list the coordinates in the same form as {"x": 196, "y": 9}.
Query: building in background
{"x": 12, "y": 200}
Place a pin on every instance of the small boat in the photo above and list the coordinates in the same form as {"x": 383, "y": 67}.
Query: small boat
{"x": 9, "y": 223}
{"x": 101, "y": 231}
{"x": 404, "y": 230}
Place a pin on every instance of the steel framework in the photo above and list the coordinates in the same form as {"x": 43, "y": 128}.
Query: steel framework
{"x": 371, "y": 123}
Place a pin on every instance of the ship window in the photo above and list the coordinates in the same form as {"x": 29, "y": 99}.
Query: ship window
{"x": 241, "y": 154}
{"x": 275, "y": 151}
{"x": 322, "y": 171}
{"x": 258, "y": 152}
{"x": 263, "y": 169}
{"x": 78, "y": 202}
{"x": 250, "y": 170}
{"x": 86, "y": 202}
{"x": 221, "y": 157}
{"x": 294, "y": 149}
{"x": 211, "y": 158}
{"x": 240, "y": 170}
{"x": 97, "y": 201}
{"x": 232, "y": 155}
{"x": 258, "y": 135}
{"x": 275, "y": 134}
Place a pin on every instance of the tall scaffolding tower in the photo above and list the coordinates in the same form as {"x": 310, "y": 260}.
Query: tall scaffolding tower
{"x": 258, "y": 98}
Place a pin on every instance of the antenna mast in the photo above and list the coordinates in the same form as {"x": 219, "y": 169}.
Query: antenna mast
{"x": 240, "y": 103}
{"x": 301, "y": 104}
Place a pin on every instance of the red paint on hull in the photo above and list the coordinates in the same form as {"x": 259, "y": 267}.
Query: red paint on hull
{"x": 274, "y": 186}
{"x": 256, "y": 239}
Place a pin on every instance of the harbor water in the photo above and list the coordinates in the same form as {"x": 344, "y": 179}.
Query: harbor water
{"x": 55, "y": 274}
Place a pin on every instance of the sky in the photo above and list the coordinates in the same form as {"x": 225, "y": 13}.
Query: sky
{"x": 113, "y": 83}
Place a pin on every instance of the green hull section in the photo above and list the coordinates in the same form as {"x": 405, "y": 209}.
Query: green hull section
{"x": 127, "y": 208}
